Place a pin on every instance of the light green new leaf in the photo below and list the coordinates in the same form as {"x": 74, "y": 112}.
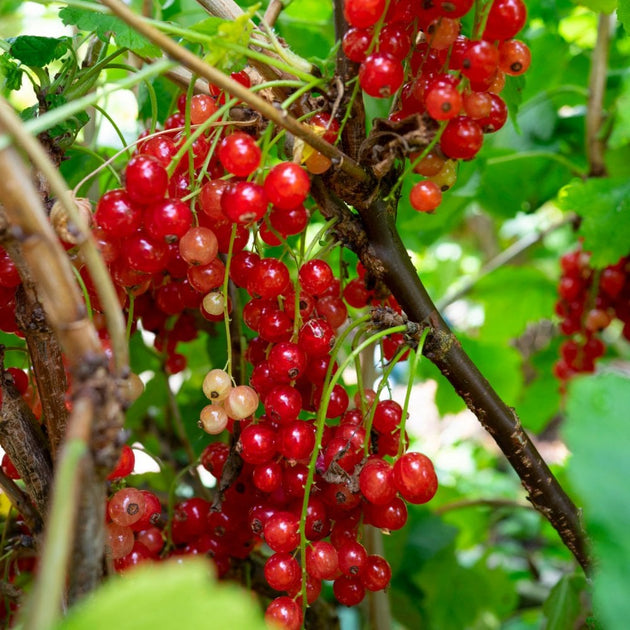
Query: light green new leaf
{"x": 158, "y": 596}
{"x": 599, "y": 6}
{"x": 597, "y": 432}
{"x": 604, "y": 205}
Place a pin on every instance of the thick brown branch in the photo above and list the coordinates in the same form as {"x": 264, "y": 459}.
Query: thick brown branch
{"x": 20, "y": 501}
{"x": 47, "y": 365}
{"x": 22, "y": 438}
{"x": 386, "y": 259}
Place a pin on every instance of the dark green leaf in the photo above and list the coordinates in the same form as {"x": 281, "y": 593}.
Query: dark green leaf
{"x": 106, "y": 26}
{"x": 512, "y": 297}
{"x": 563, "y": 607}
{"x": 37, "y": 51}
{"x": 604, "y": 205}
{"x": 513, "y": 96}
{"x": 152, "y": 596}
{"x": 598, "y": 434}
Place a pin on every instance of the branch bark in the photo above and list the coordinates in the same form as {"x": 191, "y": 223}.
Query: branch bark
{"x": 385, "y": 257}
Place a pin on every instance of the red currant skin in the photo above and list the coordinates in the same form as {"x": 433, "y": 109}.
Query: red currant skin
{"x": 425, "y": 196}
{"x": 167, "y": 220}
{"x": 287, "y": 361}
{"x": 268, "y": 279}
{"x": 514, "y": 57}
{"x": 376, "y": 574}
{"x": 282, "y": 571}
{"x": 480, "y": 61}
{"x": 144, "y": 254}
{"x": 497, "y": 116}
{"x": 377, "y": 482}
{"x": 284, "y": 612}
{"x": 244, "y": 202}
{"x": 316, "y": 337}
{"x": 442, "y": 99}
{"x": 348, "y": 591}
{"x": 239, "y": 154}
{"x": 380, "y": 75}
{"x": 287, "y": 185}
{"x": 415, "y": 478}
{"x": 315, "y": 276}
{"x": 117, "y": 215}
{"x": 146, "y": 180}
{"x": 257, "y": 443}
{"x": 505, "y": 19}
{"x": 355, "y": 43}
{"x": 363, "y": 13}
{"x": 462, "y": 138}
{"x": 281, "y": 532}
{"x": 125, "y": 464}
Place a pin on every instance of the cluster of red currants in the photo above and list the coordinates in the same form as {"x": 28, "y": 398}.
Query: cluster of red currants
{"x": 589, "y": 300}
{"x": 417, "y": 51}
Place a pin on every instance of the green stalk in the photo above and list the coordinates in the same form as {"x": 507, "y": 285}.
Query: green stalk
{"x": 44, "y": 602}
{"x": 412, "y": 372}
{"x": 320, "y": 421}
{"x": 35, "y": 126}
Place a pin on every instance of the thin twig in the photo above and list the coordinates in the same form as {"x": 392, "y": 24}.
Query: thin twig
{"x": 273, "y": 11}
{"x": 232, "y": 87}
{"x": 595, "y": 143}
{"x": 20, "y": 501}
{"x": 492, "y": 503}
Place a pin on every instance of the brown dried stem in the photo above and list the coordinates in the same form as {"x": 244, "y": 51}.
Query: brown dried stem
{"x": 21, "y": 502}
{"x": 100, "y": 276}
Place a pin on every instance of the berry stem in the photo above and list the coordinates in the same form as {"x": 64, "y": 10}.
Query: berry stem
{"x": 196, "y": 65}
{"x": 413, "y": 366}
{"x": 329, "y": 383}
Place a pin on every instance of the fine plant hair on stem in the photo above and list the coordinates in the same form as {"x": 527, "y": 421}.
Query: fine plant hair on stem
{"x": 385, "y": 257}
{"x": 196, "y": 65}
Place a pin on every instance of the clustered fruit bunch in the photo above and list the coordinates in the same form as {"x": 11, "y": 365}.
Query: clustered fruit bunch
{"x": 589, "y": 301}
{"x": 417, "y": 52}
{"x": 300, "y": 465}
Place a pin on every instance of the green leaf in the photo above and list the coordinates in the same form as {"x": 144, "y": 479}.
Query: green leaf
{"x": 513, "y": 96}
{"x": 512, "y": 297}
{"x": 106, "y": 26}
{"x": 623, "y": 13}
{"x": 563, "y": 607}
{"x": 152, "y": 596}
{"x": 598, "y": 434}
{"x": 10, "y": 73}
{"x": 236, "y": 31}
{"x": 599, "y": 6}
{"x": 604, "y": 205}
{"x": 498, "y": 362}
{"x": 620, "y": 135}
{"x": 37, "y": 51}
